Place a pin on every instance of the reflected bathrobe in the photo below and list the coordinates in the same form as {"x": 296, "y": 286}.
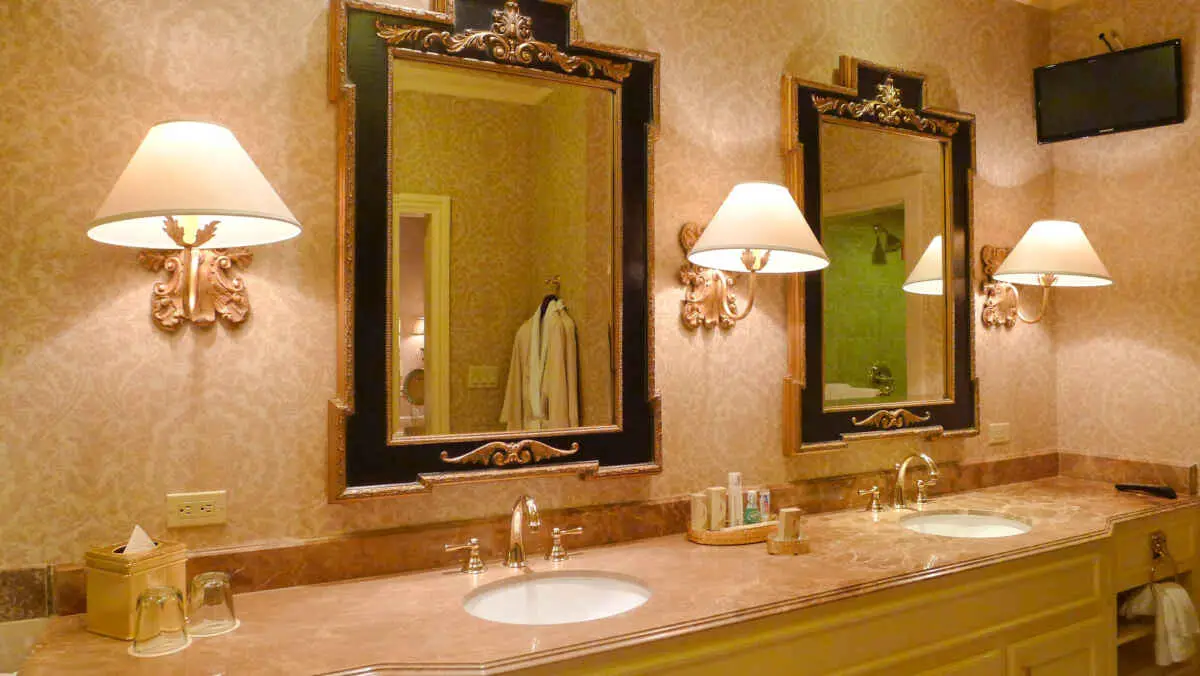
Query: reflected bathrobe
{"x": 543, "y": 375}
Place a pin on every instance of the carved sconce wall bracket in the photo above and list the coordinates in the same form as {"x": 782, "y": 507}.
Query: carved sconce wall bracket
{"x": 1001, "y": 303}
{"x": 201, "y": 286}
{"x": 708, "y": 298}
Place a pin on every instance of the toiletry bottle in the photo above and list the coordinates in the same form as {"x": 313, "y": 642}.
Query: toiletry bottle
{"x": 735, "y": 499}
{"x": 716, "y": 507}
{"x": 764, "y": 504}
{"x": 751, "y": 514}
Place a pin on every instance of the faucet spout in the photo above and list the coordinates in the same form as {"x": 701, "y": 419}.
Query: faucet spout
{"x": 898, "y": 501}
{"x": 524, "y": 515}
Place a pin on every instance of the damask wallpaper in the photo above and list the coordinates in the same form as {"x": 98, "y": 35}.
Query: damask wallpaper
{"x": 101, "y": 414}
{"x": 1128, "y": 358}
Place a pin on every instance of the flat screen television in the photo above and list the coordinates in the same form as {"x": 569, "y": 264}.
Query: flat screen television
{"x": 1119, "y": 91}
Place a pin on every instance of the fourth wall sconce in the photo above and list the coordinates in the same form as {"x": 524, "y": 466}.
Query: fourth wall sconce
{"x": 192, "y": 198}
{"x": 758, "y": 229}
{"x": 1051, "y": 253}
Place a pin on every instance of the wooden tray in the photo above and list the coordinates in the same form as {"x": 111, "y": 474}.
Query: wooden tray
{"x": 734, "y": 535}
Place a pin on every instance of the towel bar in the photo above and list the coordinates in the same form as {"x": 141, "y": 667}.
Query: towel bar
{"x": 1159, "y": 551}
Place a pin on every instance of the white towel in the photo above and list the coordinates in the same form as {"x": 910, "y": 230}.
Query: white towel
{"x": 1175, "y": 623}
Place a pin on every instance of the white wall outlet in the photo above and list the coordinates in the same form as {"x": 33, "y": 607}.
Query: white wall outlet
{"x": 483, "y": 377}
{"x": 999, "y": 433}
{"x": 206, "y": 508}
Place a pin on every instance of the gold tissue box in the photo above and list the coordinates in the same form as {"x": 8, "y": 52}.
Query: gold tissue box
{"x": 114, "y": 581}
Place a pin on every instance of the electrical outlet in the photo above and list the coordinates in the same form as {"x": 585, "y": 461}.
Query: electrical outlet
{"x": 483, "y": 377}
{"x": 999, "y": 433}
{"x": 185, "y": 510}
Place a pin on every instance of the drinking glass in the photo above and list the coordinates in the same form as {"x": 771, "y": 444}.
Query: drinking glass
{"x": 210, "y": 610}
{"x": 161, "y": 623}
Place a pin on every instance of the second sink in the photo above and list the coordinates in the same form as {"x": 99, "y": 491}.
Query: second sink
{"x": 559, "y": 597}
{"x": 966, "y": 524}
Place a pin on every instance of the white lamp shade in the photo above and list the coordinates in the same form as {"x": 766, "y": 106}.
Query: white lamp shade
{"x": 192, "y": 169}
{"x": 1056, "y": 248}
{"x": 926, "y": 276}
{"x": 760, "y": 216}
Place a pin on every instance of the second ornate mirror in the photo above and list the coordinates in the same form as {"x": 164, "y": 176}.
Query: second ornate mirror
{"x": 882, "y": 339}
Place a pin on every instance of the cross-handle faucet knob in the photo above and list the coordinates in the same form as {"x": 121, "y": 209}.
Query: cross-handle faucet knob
{"x": 923, "y": 491}
{"x": 557, "y": 552}
{"x": 473, "y": 564}
{"x": 874, "y": 505}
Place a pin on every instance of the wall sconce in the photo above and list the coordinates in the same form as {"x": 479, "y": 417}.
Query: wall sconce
{"x": 926, "y": 276}
{"x": 758, "y": 229}
{"x": 194, "y": 198}
{"x": 1051, "y": 253}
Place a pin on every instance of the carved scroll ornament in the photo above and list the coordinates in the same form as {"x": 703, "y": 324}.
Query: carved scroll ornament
{"x": 510, "y": 41}
{"x": 501, "y": 454}
{"x": 885, "y": 108}
{"x": 892, "y": 420}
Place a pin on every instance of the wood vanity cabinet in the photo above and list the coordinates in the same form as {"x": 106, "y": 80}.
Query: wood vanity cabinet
{"x": 1050, "y": 614}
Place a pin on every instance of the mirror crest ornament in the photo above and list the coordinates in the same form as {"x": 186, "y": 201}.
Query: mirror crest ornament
{"x": 485, "y": 39}
{"x": 868, "y": 98}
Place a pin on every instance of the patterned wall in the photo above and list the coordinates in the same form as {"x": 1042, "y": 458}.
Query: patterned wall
{"x": 101, "y": 414}
{"x": 1129, "y": 353}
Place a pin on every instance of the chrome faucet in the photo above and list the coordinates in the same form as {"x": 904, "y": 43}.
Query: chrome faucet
{"x": 524, "y": 513}
{"x": 898, "y": 501}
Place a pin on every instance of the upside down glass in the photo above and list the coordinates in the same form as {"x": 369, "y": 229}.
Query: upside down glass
{"x": 161, "y": 623}
{"x": 210, "y": 611}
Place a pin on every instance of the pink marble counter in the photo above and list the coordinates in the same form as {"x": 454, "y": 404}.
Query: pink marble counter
{"x": 416, "y": 622}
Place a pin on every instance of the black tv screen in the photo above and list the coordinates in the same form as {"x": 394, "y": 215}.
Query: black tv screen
{"x": 1130, "y": 89}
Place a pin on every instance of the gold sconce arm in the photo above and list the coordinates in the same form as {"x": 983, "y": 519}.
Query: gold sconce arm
{"x": 1002, "y": 300}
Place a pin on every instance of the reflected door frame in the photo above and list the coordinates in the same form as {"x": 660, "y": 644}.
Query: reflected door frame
{"x": 437, "y": 312}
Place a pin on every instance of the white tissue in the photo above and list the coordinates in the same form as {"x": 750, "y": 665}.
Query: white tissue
{"x": 138, "y": 542}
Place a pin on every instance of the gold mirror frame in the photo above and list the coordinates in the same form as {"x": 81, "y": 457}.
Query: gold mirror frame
{"x": 511, "y": 45}
{"x": 846, "y": 102}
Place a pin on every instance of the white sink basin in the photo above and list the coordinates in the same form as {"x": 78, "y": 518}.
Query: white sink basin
{"x": 966, "y": 524}
{"x": 559, "y": 597}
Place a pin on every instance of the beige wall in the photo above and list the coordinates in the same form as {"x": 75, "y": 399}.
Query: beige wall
{"x": 101, "y": 414}
{"x": 1129, "y": 354}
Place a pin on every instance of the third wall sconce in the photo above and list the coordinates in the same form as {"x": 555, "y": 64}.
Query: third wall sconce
{"x": 758, "y": 229}
{"x": 1051, "y": 253}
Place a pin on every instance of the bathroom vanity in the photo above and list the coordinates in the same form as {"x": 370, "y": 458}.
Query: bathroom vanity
{"x": 873, "y": 597}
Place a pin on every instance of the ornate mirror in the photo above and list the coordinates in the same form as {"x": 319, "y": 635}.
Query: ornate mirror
{"x": 881, "y": 341}
{"x": 494, "y": 229}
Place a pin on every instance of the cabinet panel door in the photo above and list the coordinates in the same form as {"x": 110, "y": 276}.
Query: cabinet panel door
{"x": 1076, "y": 650}
{"x": 988, "y": 664}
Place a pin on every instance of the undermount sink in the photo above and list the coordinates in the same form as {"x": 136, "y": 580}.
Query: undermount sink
{"x": 966, "y": 524}
{"x": 559, "y": 597}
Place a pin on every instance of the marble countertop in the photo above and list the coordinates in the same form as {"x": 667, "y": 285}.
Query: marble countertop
{"x": 417, "y": 620}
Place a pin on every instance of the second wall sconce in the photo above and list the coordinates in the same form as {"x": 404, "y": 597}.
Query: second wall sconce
{"x": 193, "y": 198}
{"x": 1051, "y": 253}
{"x": 758, "y": 229}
